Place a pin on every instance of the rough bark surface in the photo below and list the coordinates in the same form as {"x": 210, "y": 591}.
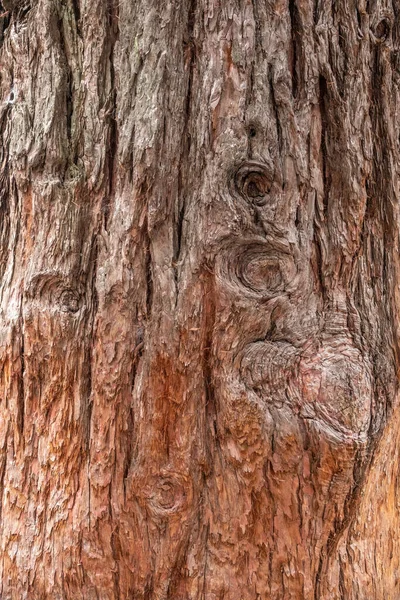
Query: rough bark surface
{"x": 199, "y": 299}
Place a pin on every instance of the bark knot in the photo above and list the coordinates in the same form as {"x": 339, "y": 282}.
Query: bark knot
{"x": 261, "y": 269}
{"x": 253, "y": 181}
{"x": 164, "y": 494}
{"x": 69, "y": 301}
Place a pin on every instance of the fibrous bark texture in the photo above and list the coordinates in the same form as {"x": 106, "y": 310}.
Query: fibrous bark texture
{"x": 199, "y": 299}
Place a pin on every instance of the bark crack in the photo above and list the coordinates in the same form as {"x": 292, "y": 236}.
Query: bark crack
{"x": 112, "y": 143}
{"x": 190, "y": 51}
{"x": 3, "y": 472}
{"x": 5, "y": 20}
{"x": 77, "y": 14}
{"x": 275, "y": 109}
{"x": 149, "y": 276}
{"x": 21, "y": 387}
{"x": 69, "y": 88}
{"x": 294, "y": 43}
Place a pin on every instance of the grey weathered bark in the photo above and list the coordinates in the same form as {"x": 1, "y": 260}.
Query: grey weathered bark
{"x": 199, "y": 299}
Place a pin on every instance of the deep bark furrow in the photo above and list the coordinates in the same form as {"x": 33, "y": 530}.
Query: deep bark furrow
{"x": 112, "y": 141}
{"x": 21, "y": 390}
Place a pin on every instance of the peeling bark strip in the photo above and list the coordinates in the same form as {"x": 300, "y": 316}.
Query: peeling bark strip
{"x": 199, "y": 320}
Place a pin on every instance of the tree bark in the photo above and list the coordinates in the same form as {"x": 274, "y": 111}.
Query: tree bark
{"x": 199, "y": 299}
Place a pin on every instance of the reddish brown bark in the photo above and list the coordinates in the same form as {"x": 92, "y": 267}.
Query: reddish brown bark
{"x": 199, "y": 300}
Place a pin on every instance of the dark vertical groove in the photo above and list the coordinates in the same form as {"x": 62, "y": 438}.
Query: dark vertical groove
{"x": 381, "y": 191}
{"x": 211, "y": 409}
{"x": 77, "y": 14}
{"x": 178, "y": 232}
{"x": 294, "y": 21}
{"x": 69, "y": 96}
{"x": 320, "y": 251}
{"x": 130, "y": 447}
{"x": 257, "y": 24}
{"x": 343, "y": 48}
{"x": 319, "y": 263}
{"x": 131, "y": 442}
{"x": 21, "y": 391}
{"x": 5, "y": 20}
{"x": 323, "y": 92}
{"x": 21, "y": 386}
{"x": 70, "y": 104}
{"x": 112, "y": 142}
{"x": 149, "y": 280}
{"x": 251, "y": 81}
{"x": 3, "y": 472}
{"x": 190, "y": 61}
{"x": 4, "y": 196}
{"x": 17, "y": 219}
{"x": 275, "y": 109}
{"x": 204, "y": 585}
{"x": 89, "y": 346}
{"x": 148, "y": 589}
{"x": 24, "y": 11}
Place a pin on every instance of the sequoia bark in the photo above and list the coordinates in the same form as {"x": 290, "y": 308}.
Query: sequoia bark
{"x": 199, "y": 299}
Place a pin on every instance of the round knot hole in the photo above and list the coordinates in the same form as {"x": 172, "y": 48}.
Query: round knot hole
{"x": 253, "y": 182}
{"x": 11, "y": 97}
{"x": 252, "y": 132}
{"x": 260, "y": 272}
{"x": 261, "y": 269}
{"x": 70, "y": 301}
{"x": 165, "y": 494}
{"x": 382, "y": 30}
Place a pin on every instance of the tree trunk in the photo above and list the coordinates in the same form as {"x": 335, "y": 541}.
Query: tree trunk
{"x": 199, "y": 318}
